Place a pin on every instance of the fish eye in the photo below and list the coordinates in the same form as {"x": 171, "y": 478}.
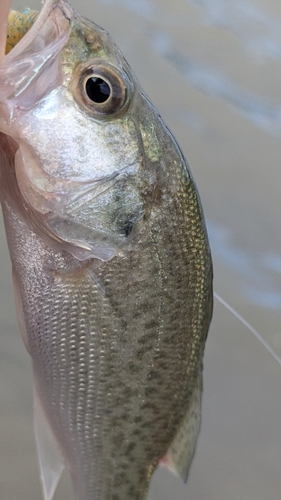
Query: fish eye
{"x": 102, "y": 89}
{"x": 97, "y": 89}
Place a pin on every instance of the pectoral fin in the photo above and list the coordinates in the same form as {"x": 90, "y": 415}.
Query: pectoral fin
{"x": 180, "y": 454}
{"x": 51, "y": 461}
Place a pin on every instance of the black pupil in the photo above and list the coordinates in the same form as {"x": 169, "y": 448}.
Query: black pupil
{"x": 97, "y": 89}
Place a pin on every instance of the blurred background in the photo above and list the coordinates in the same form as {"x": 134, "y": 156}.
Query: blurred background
{"x": 213, "y": 69}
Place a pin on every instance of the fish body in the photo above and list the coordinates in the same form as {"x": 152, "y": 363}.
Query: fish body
{"x": 111, "y": 262}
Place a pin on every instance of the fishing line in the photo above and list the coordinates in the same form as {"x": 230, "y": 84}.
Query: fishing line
{"x": 250, "y": 327}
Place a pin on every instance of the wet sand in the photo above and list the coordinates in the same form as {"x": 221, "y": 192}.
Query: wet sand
{"x": 213, "y": 69}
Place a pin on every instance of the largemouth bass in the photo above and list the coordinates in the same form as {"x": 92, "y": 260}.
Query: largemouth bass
{"x": 111, "y": 262}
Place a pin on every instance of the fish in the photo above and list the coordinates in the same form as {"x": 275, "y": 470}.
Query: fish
{"x": 112, "y": 268}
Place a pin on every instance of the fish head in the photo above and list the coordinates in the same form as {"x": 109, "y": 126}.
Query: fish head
{"x": 86, "y": 134}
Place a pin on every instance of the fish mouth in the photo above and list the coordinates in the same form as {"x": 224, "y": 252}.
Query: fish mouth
{"x": 33, "y": 54}
{"x": 30, "y": 23}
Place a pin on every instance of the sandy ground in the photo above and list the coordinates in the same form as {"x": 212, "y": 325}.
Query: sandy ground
{"x": 213, "y": 70}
